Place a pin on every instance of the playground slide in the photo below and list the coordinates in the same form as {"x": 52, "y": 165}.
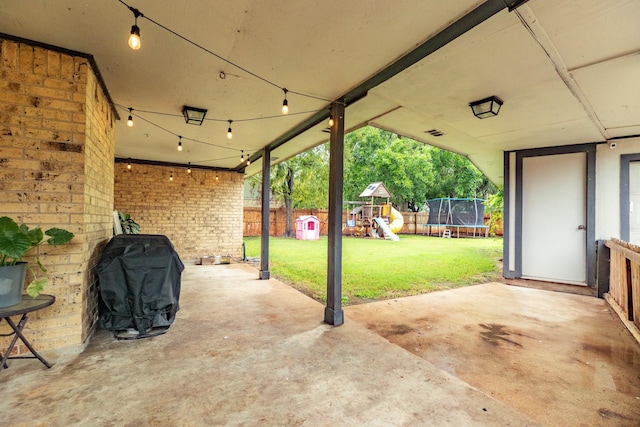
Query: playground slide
{"x": 388, "y": 234}
{"x": 397, "y": 221}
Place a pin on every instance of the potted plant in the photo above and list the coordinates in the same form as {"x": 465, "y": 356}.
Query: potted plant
{"x": 129, "y": 226}
{"x": 15, "y": 242}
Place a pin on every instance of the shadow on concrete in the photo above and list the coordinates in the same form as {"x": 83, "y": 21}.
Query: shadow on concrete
{"x": 250, "y": 352}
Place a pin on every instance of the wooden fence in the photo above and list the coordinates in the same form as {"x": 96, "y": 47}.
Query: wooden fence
{"x": 624, "y": 283}
{"x": 413, "y": 222}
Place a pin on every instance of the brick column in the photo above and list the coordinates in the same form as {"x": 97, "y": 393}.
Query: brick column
{"x": 56, "y": 170}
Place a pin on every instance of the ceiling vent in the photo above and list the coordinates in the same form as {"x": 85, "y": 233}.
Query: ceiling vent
{"x": 434, "y": 132}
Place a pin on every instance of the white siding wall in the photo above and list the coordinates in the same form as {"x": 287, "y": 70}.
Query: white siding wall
{"x": 608, "y": 186}
{"x": 512, "y": 211}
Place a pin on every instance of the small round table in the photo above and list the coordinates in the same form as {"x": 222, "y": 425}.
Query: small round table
{"x": 26, "y": 306}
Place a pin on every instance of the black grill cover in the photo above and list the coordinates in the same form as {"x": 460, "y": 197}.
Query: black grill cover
{"x": 139, "y": 276}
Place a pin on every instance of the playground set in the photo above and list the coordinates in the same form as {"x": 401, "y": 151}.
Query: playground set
{"x": 374, "y": 219}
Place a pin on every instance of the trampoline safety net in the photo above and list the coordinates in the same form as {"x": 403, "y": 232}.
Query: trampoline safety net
{"x": 465, "y": 212}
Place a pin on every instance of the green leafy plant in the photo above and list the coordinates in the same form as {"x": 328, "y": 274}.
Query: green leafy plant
{"x": 18, "y": 240}
{"x": 495, "y": 206}
{"x": 129, "y": 226}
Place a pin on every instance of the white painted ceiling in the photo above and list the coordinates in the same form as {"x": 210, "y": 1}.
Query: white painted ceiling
{"x": 568, "y": 72}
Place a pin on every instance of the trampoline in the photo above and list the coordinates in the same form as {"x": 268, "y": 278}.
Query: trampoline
{"x": 454, "y": 215}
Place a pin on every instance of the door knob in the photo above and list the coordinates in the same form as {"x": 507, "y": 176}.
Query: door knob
{"x": 582, "y": 227}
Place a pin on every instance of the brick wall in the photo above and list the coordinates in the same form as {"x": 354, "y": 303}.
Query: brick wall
{"x": 199, "y": 214}
{"x": 98, "y": 195}
{"x": 56, "y": 170}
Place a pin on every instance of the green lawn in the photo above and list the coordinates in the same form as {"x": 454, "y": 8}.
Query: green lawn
{"x": 381, "y": 269}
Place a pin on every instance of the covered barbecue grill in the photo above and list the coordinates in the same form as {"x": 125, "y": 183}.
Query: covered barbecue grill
{"x": 139, "y": 276}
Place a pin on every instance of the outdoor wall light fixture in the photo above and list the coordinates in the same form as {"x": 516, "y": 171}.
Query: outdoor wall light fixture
{"x": 487, "y": 107}
{"x": 193, "y": 115}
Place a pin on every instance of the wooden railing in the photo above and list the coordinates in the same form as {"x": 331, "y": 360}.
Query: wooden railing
{"x": 624, "y": 283}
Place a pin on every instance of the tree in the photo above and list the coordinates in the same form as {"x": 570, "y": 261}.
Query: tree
{"x": 373, "y": 155}
{"x": 495, "y": 206}
{"x": 456, "y": 176}
{"x": 299, "y": 182}
{"x": 412, "y": 171}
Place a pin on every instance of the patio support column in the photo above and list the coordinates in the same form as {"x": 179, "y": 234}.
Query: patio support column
{"x": 333, "y": 314}
{"x": 266, "y": 193}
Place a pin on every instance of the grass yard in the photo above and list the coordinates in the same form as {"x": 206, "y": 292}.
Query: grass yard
{"x": 381, "y": 269}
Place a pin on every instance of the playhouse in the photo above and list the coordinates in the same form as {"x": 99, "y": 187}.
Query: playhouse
{"x": 307, "y": 227}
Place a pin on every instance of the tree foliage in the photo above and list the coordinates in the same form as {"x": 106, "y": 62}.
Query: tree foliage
{"x": 412, "y": 171}
{"x": 495, "y": 206}
{"x": 373, "y": 155}
{"x": 456, "y": 176}
{"x": 299, "y": 182}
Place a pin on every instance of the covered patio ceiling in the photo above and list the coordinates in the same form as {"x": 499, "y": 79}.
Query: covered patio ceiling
{"x": 566, "y": 71}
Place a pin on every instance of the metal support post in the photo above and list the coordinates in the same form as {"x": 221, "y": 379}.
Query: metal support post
{"x": 333, "y": 313}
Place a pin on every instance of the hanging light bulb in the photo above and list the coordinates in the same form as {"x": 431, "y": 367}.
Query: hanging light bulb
{"x": 189, "y": 168}
{"x": 248, "y": 160}
{"x": 179, "y": 143}
{"x": 285, "y": 103}
{"x": 129, "y": 164}
{"x": 171, "y": 177}
{"x": 330, "y": 117}
{"x": 229, "y": 133}
{"x": 216, "y": 175}
{"x": 130, "y": 119}
{"x": 134, "y": 37}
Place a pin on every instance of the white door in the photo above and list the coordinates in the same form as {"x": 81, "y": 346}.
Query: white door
{"x": 554, "y": 218}
{"x": 634, "y": 203}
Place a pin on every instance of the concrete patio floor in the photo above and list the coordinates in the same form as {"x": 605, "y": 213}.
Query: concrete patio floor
{"x": 249, "y": 352}
{"x": 562, "y": 359}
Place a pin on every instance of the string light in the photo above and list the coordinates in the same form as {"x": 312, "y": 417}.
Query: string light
{"x": 129, "y": 164}
{"x": 134, "y": 37}
{"x": 330, "y": 117}
{"x": 216, "y": 175}
{"x": 135, "y": 43}
{"x": 130, "y": 119}
{"x": 189, "y": 168}
{"x": 180, "y": 147}
{"x": 141, "y": 117}
{"x": 285, "y": 103}
{"x": 229, "y": 133}
{"x": 171, "y": 177}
